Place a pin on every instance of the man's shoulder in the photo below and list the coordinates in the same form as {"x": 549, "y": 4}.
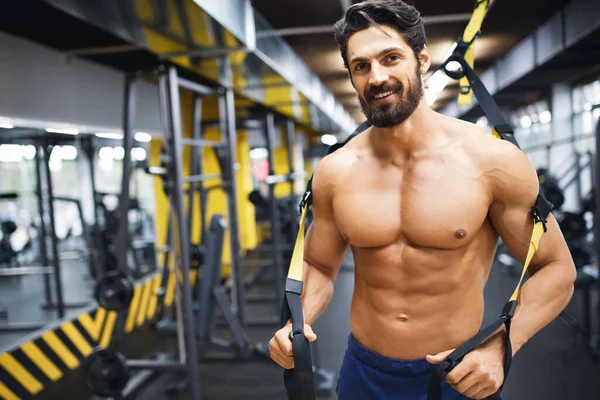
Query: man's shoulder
{"x": 504, "y": 167}
{"x": 486, "y": 149}
{"x": 332, "y": 168}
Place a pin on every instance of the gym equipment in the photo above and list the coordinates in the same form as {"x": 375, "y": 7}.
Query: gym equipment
{"x": 50, "y": 266}
{"x": 9, "y": 256}
{"x": 105, "y": 372}
{"x": 551, "y": 188}
{"x": 105, "y": 230}
{"x": 114, "y": 291}
{"x": 280, "y": 215}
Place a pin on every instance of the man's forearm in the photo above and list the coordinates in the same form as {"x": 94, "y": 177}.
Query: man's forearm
{"x": 317, "y": 292}
{"x": 541, "y": 300}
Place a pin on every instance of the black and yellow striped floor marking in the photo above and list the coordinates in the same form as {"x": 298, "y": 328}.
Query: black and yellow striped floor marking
{"x": 46, "y": 357}
{"x": 154, "y": 299}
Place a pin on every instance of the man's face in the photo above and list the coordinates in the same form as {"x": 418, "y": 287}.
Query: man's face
{"x": 386, "y": 75}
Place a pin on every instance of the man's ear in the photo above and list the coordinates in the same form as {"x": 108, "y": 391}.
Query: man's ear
{"x": 425, "y": 60}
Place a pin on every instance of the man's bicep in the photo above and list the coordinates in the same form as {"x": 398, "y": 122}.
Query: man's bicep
{"x": 514, "y": 196}
{"x": 325, "y": 247}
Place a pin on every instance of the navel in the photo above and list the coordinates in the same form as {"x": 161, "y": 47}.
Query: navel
{"x": 460, "y": 234}
{"x": 403, "y": 318}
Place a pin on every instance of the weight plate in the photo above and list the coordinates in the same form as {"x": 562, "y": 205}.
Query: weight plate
{"x": 105, "y": 372}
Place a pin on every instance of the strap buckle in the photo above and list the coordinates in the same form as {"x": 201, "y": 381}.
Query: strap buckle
{"x": 462, "y": 46}
{"x": 306, "y": 201}
{"x": 538, "y": 217}
{"x": 509, "y": 309}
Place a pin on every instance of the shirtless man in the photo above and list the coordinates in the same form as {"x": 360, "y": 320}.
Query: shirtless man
{"x": 421, "y": 199}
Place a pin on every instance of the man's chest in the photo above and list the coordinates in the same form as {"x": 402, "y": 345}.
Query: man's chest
{"x": 438, "y": 204}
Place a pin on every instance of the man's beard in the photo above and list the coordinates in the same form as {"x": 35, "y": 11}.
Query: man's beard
{"x": 387, "y": 115}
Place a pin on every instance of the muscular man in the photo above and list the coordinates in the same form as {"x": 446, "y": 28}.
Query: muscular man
{"x": 421, "y": 199}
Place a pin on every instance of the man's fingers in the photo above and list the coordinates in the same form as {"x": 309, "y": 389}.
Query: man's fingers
{"x": 310, "y": 335}
{"x": 284, "y": 342}
{"x": 458, "y": 373}
{"x": 438, "y": 358}
{"x": 469, "y": 384}
{"x": 277, "y": 355}
{"x": 285, "y": 362}
{"x": 485, "y": 393}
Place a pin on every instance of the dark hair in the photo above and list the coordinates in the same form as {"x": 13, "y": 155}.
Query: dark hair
{"x": 403, "y": 17}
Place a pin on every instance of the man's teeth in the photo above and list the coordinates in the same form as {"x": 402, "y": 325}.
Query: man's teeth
{"x": 379, "y": 96}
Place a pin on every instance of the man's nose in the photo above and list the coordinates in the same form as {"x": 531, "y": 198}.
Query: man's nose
{"x": 378, "y": 75}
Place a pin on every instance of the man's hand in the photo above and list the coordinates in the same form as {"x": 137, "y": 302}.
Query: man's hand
{"x": 280, "y": 345}
{"x": 481, "y": 372}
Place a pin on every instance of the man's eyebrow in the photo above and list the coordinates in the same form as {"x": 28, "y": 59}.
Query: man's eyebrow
{"x": 379, "y": 54}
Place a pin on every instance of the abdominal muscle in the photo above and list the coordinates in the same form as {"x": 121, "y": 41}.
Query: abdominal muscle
{"x": 428, "y": 303}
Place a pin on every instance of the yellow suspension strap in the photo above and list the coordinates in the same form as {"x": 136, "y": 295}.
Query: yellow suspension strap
{"x": 467, "y": 41}
{"x": 299, "y": 381}
{"x": 539, "y": 212}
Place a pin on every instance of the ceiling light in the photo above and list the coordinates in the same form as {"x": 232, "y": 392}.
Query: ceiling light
{"x": 138, "y": 153}
{"x": 28, "y": 152}
{"x": 545, "y": 117}
{"x": 6, "y": 125}
{"x": 259, "y": 153}
{"x": 110, "y": 135}
{"x": 10, "y": 153}
{"x": 143, "y": 137}
{"x": 329, "y": 140}
{"x": 66, "y": 131}
{"x": 118, "y": 153}
{"x": 68, "y": 152}
{"x": 525, "y": 121}
{"x": 106, "y": 153}
{"x": 55, "y": 162}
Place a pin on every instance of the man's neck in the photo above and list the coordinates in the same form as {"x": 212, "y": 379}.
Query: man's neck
{"x": 416, "y": 134}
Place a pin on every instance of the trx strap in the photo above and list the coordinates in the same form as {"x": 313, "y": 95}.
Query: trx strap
{"x": 299, "y": 382}
{"x": 540, "y": 211}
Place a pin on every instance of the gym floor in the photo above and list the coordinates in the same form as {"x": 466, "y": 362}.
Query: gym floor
{"x": 23, "y": 297}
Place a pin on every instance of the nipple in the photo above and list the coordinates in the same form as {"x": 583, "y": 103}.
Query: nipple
{"x": 460, "y": 234}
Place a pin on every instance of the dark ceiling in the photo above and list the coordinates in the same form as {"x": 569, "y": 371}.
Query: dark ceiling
{"x": 507, "y": 23}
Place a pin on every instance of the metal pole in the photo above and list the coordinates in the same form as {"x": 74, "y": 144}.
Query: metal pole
{"x": 39, "y": 157}
{"x": 291, "y": 136}
{"x": 592, "y": 158}
{"x": 181, "y": 244}
{"x": 597, "y": 210}
{"x": 122, "y": 244}
{"x": 227, "y": 111}
{"x": 274, "y": 211}
{"x": 578, "y": 178}
{"x": 91, "y": 147}
{"x": 291, "y": 139}
{"x": 194, "y": 167}
{"x": 55, "y": 255}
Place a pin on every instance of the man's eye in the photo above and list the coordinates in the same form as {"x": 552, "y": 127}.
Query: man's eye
{"x": 360, "y": 67}
{"x": 393, "y": 57}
